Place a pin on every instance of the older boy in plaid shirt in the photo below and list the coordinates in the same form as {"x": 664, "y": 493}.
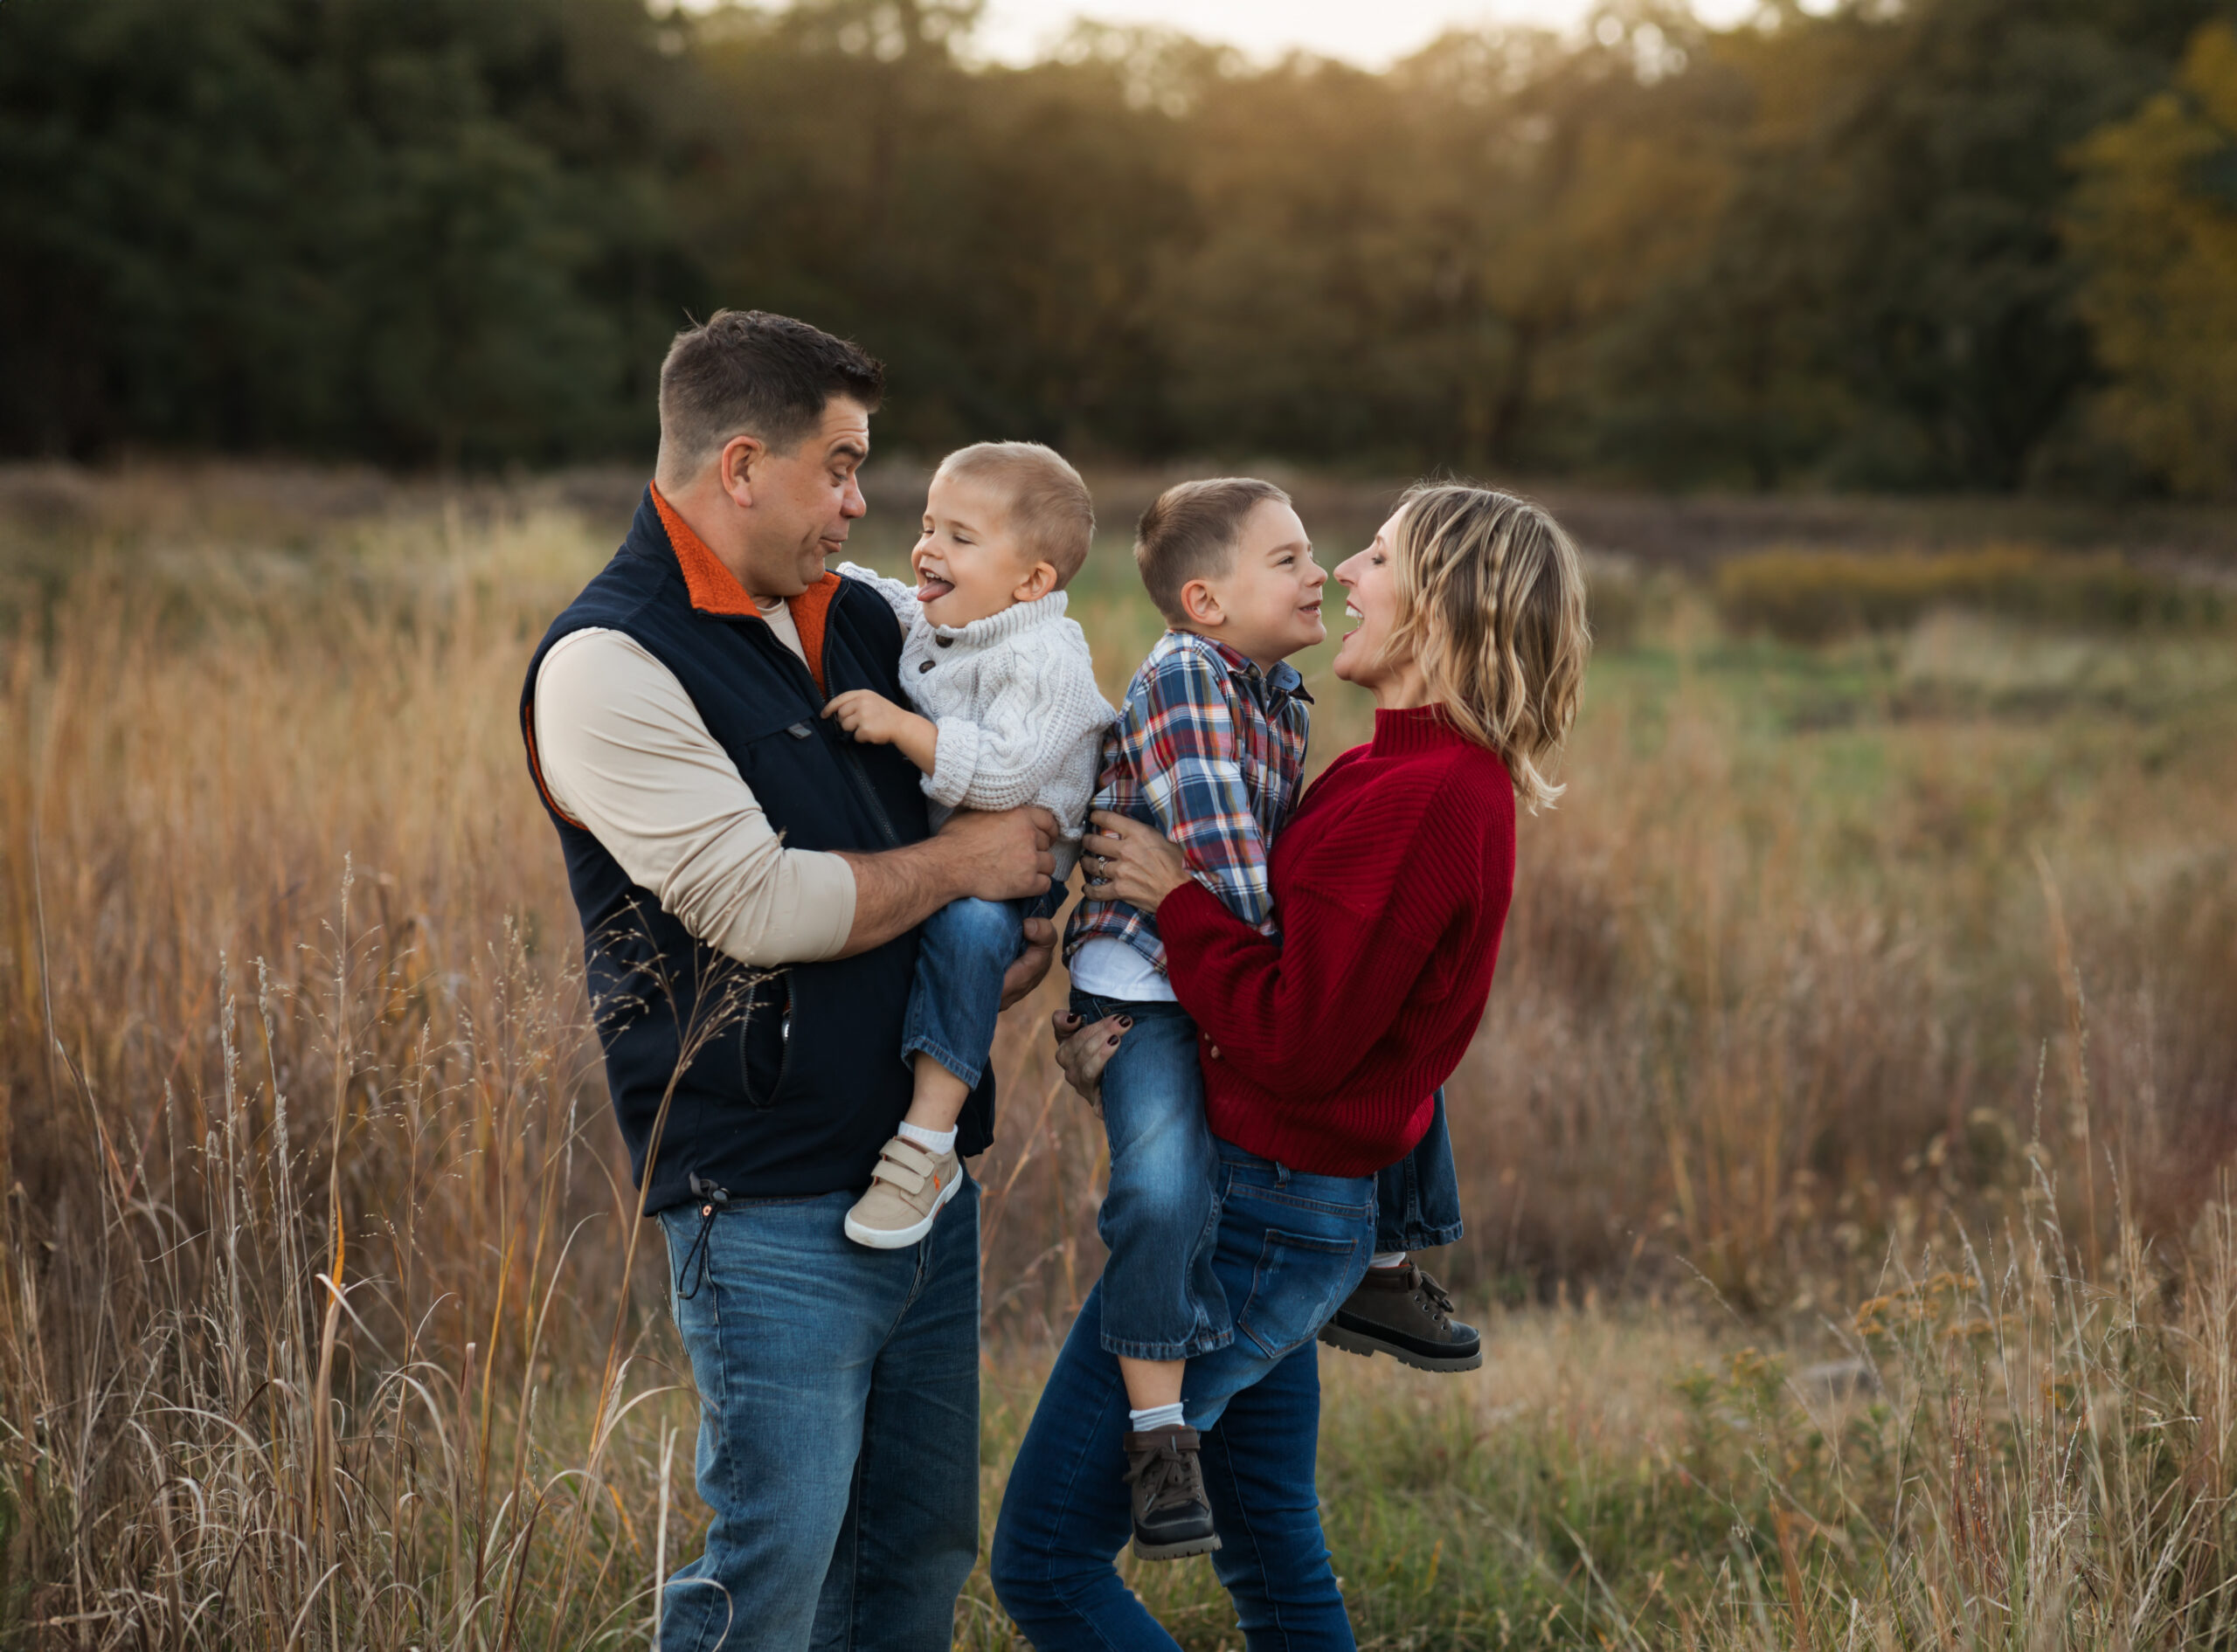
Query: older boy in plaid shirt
{"x": 1209, "y": 747}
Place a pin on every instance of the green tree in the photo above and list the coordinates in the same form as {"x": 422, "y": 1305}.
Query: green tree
{"x": 993, "y": 234}
{"x": 2155, "y": 223}
{"x": 418, "y": 230}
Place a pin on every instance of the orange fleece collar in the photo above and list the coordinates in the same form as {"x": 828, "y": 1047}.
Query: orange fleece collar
{"x": 715, "y": 589}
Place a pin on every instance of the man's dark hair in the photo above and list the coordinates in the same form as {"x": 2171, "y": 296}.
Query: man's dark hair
{"x": 750, "y": 373}
{"x": 1192, "y": 533}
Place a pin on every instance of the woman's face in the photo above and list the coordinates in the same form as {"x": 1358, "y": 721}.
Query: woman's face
{"x": 1371, "y": 597}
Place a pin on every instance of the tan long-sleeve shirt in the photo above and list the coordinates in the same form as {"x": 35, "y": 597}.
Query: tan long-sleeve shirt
{"x": 625, "y": 751}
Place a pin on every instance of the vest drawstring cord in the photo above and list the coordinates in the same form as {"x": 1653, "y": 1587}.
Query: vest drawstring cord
{"x": 700, "y": 1252}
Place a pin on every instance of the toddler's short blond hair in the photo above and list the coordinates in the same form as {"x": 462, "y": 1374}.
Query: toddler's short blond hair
{"x": 1048, "y": 504}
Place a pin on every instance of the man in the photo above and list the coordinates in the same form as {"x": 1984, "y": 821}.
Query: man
{"x": 751, "y": 881}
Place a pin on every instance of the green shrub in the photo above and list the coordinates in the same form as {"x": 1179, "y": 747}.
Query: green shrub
{"x": 1811, "y": 596}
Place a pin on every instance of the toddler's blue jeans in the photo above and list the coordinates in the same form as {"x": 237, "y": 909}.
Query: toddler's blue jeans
{"x": 962, "y": 952}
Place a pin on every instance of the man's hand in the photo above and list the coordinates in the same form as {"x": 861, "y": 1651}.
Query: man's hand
{"x": 1001, "y": 857}
{"x": 994, "y": 857}
{"x": 875, "y": 720}
{"x": 1032, "y": 965}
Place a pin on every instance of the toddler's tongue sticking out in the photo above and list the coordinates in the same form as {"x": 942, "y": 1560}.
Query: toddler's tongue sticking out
{"x": 933, "y": 589}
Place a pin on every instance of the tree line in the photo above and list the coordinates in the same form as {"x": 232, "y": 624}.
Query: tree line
{"x": 1983, "y": 245}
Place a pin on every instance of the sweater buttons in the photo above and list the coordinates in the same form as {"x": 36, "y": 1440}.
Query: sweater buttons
{"x": 924, "y": 668}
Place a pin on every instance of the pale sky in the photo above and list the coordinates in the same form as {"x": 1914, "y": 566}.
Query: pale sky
{"x": 1372, "y": 33}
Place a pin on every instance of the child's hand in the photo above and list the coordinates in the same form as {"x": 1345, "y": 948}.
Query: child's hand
{"x": 869, "y": 716}
{"x": 873, "y": 719}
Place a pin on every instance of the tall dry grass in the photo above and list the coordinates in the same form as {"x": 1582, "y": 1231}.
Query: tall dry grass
{"x": 321, "y": 1323}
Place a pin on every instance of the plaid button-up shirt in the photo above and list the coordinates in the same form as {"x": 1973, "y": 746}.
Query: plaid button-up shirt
{"x": 1210, "y": 751}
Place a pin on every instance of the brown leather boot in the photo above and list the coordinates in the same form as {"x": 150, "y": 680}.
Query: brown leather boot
{"x": 1172, "y": 1515}
{"x": 1403, "y": 1313}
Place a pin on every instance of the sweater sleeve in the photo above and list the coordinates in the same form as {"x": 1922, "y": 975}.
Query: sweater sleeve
{"x": 1004, "y": 758}
{"x": 900, "y": 597}
{"x": 1300, "y": 1014}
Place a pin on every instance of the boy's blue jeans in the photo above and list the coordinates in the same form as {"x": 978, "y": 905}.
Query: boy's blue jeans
{"x": 962, "y": 953}
{"x": 1160, "y": 1299}
{"x": 1417, "y": 1199}
{"x": 1289, "y": 1248}
{"x": 1161, "y": 1296}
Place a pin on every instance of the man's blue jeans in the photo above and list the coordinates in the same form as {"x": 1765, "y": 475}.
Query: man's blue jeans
{"x": 963, "y": 951}
{"x": 838, "y": 1427}
{"x": 1161, "y": 1299}
{"x": 1291, "y": 1247}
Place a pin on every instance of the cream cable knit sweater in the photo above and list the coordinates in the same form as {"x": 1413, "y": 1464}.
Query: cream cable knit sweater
{"x": 1015, "y": 698}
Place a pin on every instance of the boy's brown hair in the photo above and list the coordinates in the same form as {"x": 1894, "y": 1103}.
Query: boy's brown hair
{"x": 1048, "y": 504}
{"x": 1192, "y": 533}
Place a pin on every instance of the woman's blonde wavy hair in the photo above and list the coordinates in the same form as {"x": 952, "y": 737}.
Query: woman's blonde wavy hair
{"x": 1491, "y": 605}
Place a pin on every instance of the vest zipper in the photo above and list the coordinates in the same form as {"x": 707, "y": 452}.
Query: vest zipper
{"x": 853, "y": 763}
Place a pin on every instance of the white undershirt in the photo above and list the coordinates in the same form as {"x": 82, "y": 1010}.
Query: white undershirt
{"x": 1110, "y": 968}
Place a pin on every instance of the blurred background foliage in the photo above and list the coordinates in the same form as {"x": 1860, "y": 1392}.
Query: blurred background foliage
{"x": 1947, "y": 245}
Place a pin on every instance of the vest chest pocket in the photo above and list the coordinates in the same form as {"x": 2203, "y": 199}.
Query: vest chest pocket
{"x": 791, "y": 772}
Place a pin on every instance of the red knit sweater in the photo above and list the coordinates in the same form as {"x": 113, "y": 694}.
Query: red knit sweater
{"x": 1322, "y": 1051}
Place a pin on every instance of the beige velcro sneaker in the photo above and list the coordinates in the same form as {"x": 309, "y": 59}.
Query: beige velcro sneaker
{"x": 906, "y": 1191}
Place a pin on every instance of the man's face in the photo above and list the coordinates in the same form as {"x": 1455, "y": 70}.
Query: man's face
{"x": 805, "y": 501}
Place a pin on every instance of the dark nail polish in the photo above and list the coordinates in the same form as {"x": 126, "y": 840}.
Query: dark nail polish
{"x": 1126, "y": 1020}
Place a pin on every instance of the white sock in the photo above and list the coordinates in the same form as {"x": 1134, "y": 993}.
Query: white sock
{"x": 1154, "y": 1417}
{"x": 932, "y": 1141}
{"x": 1386, "y": 1259}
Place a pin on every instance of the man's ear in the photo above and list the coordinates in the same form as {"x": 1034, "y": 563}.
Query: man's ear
{"x": 1036, "y": 584}
{"x": 1201, "y": 604}
{"x": 734, "y": 468}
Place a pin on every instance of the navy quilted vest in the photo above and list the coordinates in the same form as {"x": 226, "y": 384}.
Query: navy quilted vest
{"x": 794, "y": 1080}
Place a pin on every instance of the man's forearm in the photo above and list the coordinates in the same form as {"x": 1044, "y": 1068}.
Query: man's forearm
{"x": 898, "y": 889}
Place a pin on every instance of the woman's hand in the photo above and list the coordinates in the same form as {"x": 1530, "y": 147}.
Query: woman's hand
{"x": 1083, "y": 1050}
{"x": 1128, "y": 861}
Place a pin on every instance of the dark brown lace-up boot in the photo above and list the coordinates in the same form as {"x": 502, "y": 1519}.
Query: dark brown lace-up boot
{"x": 1404, "y": 1313}
{"x": 1172, "y": 1515}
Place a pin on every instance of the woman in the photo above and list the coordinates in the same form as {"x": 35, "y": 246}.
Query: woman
{"x": 1322, "y": 1052}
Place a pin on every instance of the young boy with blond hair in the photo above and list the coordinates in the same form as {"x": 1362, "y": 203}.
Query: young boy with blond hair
{"x": 1006, "y": 713}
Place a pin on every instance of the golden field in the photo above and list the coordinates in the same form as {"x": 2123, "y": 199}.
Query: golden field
{"x": 1844, "y": 1147}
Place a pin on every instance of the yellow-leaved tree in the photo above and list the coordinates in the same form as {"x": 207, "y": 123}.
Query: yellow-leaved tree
{"x": 2155, "y": 223}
